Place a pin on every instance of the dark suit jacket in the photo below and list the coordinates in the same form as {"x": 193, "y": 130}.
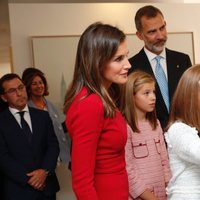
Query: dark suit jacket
{"x": 1, "y": 185}
{"x": 18, "y": 157}
{"x": 177, "y": 63}
{"x": 3, "y": 106}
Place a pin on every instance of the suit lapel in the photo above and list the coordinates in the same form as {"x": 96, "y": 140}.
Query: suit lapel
{"x": 145, "y": 64}
{"x": 14, "y": 129}
{"x": 172, "y": 67}
{"x": 37, "y": 133}
{"x": 34, "y": 123}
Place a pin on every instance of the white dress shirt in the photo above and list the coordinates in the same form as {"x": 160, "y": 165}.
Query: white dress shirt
{"x": 27, "y": 117}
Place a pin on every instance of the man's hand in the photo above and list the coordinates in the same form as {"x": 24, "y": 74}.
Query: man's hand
{"x": 37, "y": 179}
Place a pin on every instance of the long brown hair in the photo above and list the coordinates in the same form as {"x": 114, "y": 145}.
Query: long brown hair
{"x": 96, "y": 47}
{"x": 185, "y": 105}
{"x": 135, "y": 81}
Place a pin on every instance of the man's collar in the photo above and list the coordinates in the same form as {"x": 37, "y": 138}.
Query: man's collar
{"x": 151, "y": 55}
{"x": 14, "y": 110}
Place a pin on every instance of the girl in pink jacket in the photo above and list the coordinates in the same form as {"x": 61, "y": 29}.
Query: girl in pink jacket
{"x": 146, "y": 154}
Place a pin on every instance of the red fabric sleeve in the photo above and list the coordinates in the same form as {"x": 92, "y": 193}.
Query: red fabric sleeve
{"x": 85, "y": 120}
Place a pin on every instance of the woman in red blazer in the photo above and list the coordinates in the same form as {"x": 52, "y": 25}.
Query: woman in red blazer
{"x": 96, "y": 126}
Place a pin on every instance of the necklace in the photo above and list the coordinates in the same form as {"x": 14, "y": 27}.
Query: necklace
{"x": 40, "y": 105}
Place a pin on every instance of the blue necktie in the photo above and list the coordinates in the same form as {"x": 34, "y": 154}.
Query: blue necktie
{"x": 162, "y": 81}
{"x": 25, "y": 127}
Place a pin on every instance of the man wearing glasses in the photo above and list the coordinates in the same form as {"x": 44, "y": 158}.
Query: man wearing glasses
{"x": 28, "y": 146}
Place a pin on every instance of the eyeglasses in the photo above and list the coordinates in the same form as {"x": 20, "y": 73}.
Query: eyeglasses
{"x": 20, "y": 88}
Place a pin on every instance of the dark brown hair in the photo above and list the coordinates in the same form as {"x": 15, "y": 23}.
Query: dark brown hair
{"x": 29, "y": 74}
{"x": 96, "y": 47}
{"x": 147, "y": 11}
{"x": 7, "y": 77}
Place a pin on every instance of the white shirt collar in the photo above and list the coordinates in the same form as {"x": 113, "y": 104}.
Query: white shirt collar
{"x": 14, "y": 110}
{"x": 151, "y": 55}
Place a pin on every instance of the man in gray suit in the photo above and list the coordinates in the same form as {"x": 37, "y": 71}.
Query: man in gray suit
{"x": 151, "y": 28}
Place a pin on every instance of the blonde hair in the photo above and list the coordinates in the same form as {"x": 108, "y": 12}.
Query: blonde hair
{"x": 135, "y": 81}
{"x": 185, "y": 105}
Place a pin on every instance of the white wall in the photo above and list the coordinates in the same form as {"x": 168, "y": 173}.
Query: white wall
{"x": 28, "y": 20}
{"x": 71, "y": 19}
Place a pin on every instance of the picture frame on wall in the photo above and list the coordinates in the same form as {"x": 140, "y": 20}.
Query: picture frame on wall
{"x": 55, "y": 56}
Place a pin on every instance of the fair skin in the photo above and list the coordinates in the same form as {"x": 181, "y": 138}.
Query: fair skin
{"x": 116, "y": 71}
{"x": 37, "y": 87}
{"x": 153, "y": 33}
{"x": 145, "y": 100}
{"x": 16, "y": 97}
{"x": 37, "y": 91}
{"x": 148, "y": 195}
{"x": 15, "y": 94}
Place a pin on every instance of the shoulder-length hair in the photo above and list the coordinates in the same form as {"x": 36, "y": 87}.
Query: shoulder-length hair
{"x": 96, "y": 47}
{"x": 135, "y": 82}
{"x": 185, "y": 105}
{"x": 29, "y": 74}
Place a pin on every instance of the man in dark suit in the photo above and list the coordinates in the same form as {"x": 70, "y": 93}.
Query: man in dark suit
{"x": 3, "y": 106}
{"x": 151, "y": 28}
{"x": 27, "y": 158}
{"x": 1, "y": 185}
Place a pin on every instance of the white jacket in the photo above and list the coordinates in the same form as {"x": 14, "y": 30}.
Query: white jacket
{"x": 184, "y": 155}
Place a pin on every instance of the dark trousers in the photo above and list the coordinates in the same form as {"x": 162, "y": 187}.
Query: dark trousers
{"x": 42, "y": 197}
{"x": 1, "y": 186}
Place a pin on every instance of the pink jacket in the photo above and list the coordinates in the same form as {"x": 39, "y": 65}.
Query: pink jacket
{"x": 147, "y": 161}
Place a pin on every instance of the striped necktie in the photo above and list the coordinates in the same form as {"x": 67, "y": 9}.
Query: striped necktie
{"x": 162, "y": 81}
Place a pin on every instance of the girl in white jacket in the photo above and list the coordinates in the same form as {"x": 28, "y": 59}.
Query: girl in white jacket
{"x": 183, "y": 140}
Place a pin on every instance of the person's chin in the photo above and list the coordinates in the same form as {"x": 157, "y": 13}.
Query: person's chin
{"x": 158, "y": 49}
{"x": 124, "y": 80}
{"x": 21, "y": 106}
{"x": 39, "y": 94}
{"x": 151, "y": 109}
